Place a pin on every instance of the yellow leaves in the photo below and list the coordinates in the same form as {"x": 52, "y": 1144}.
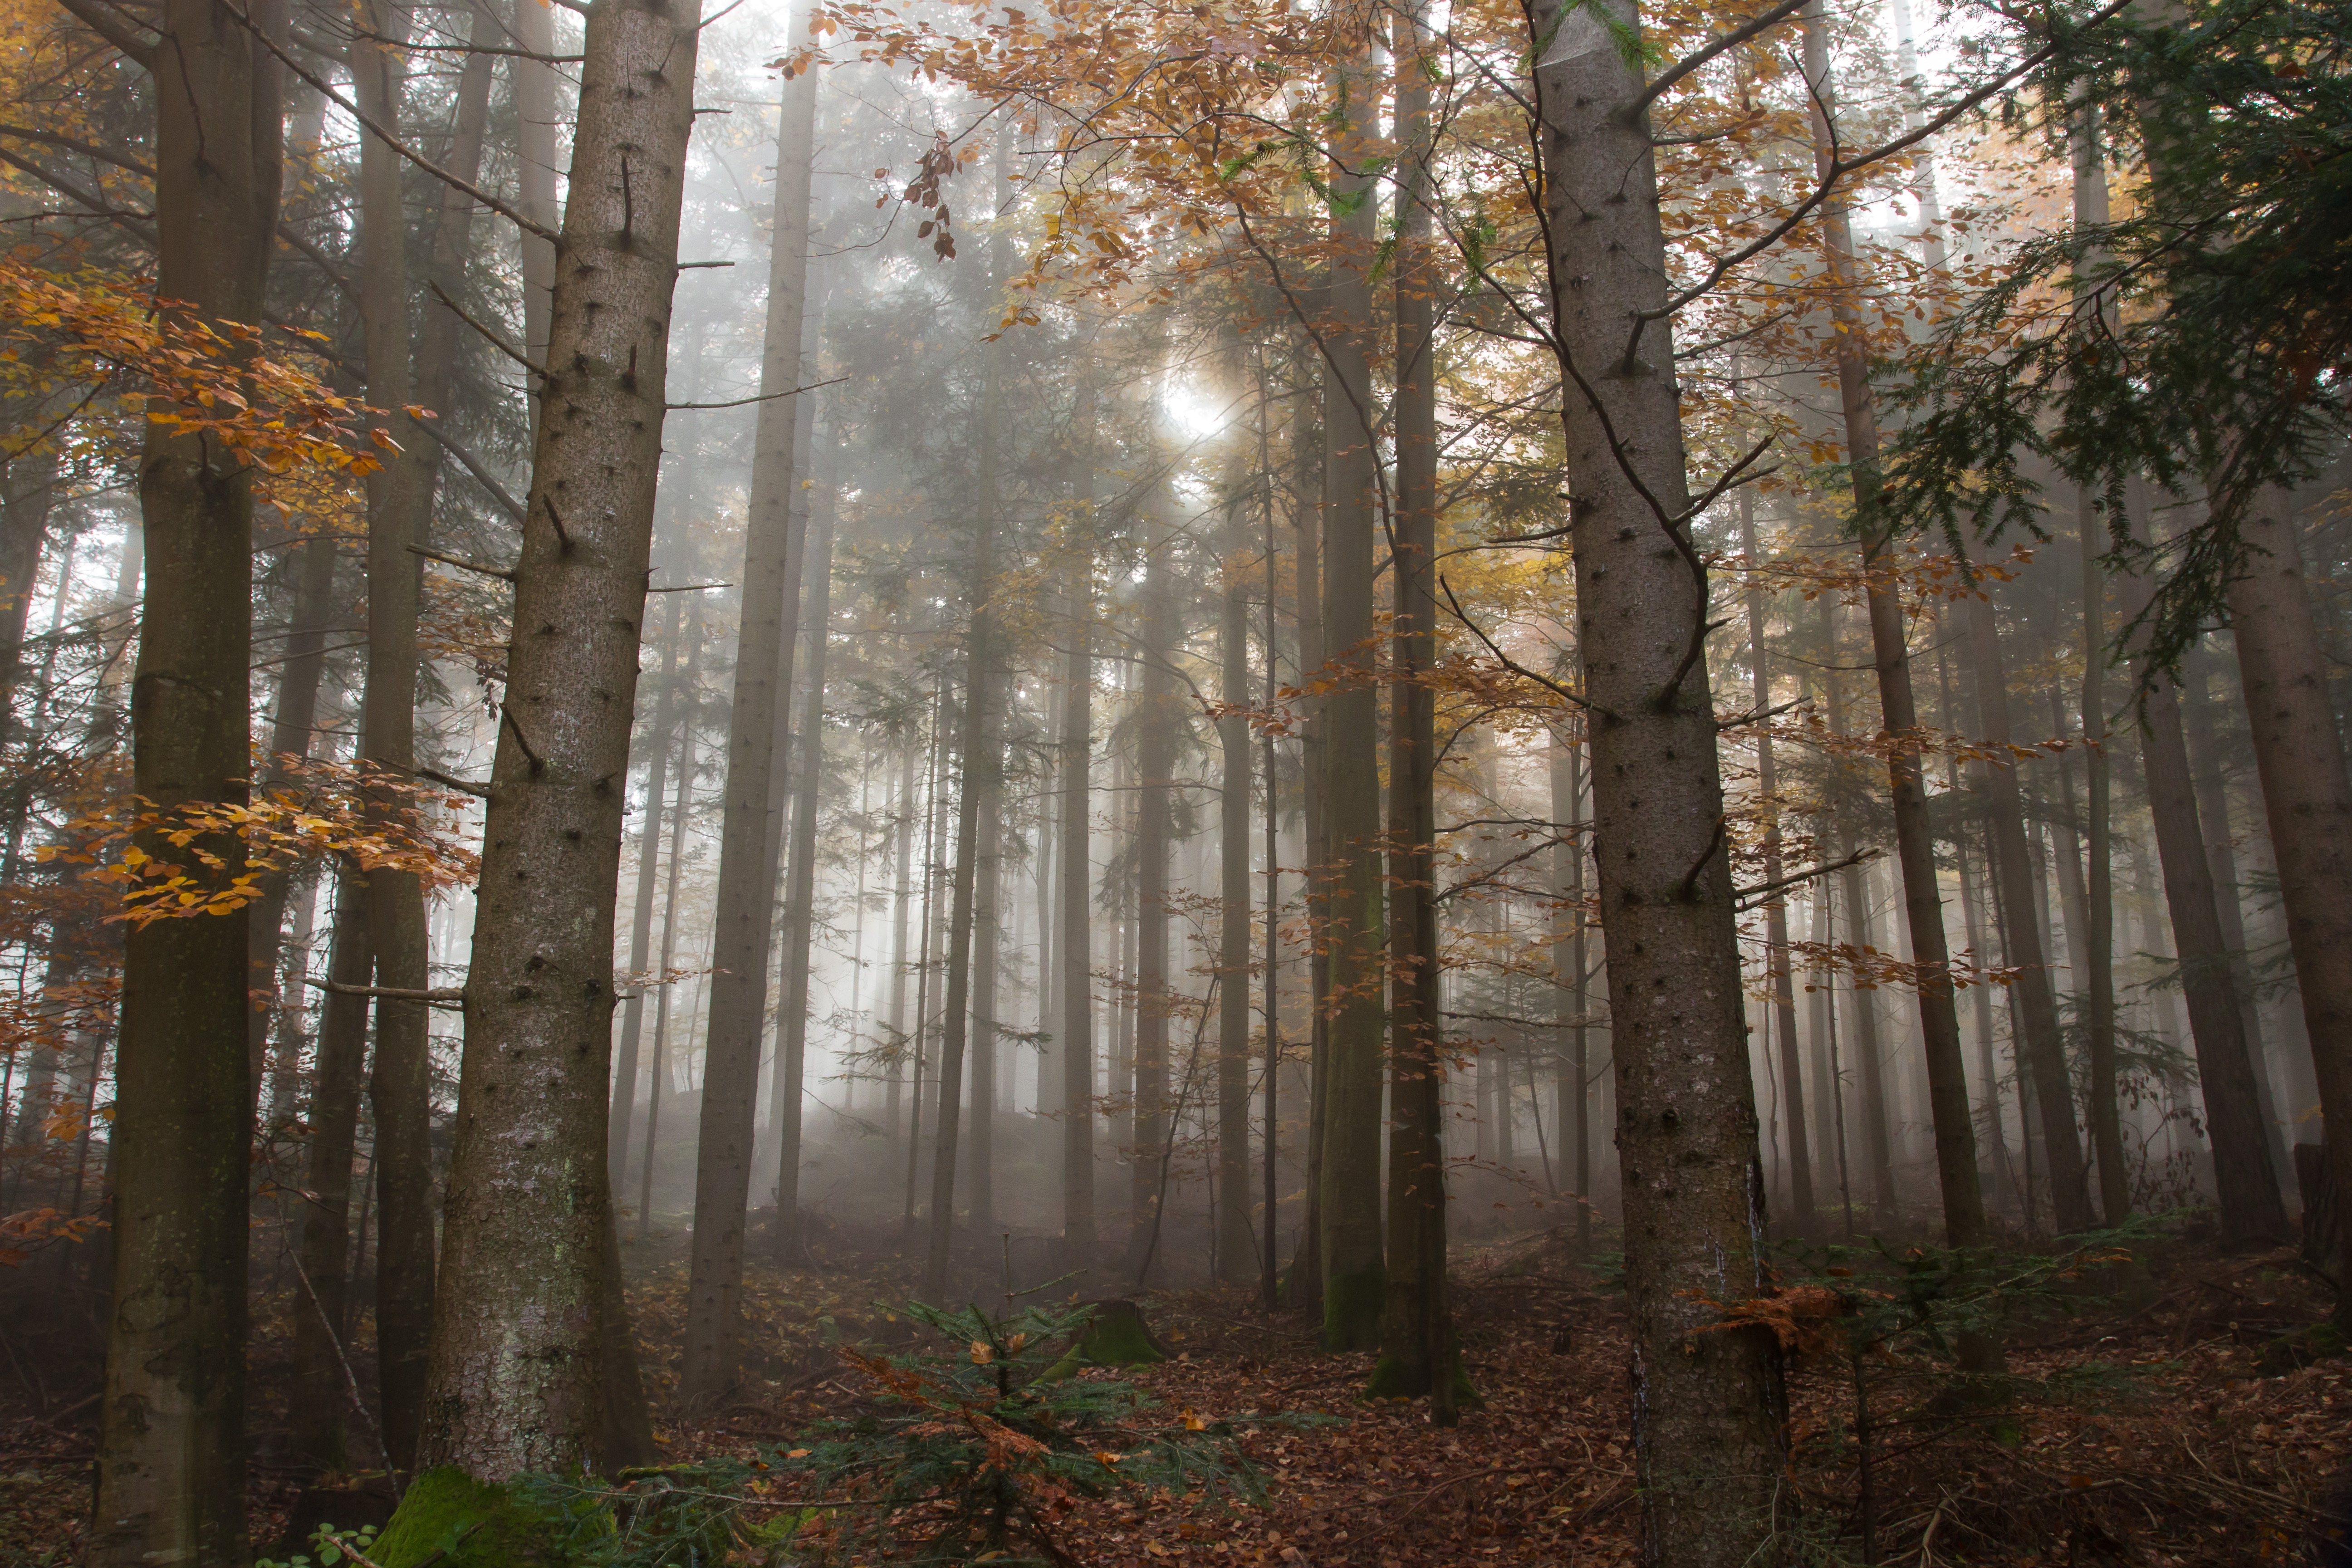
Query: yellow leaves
{"x": 318, "y": 810}
{"x": 198, "y": 378}
{"x": 981, "y": 1353}
{"x": 1193, "y": 1423}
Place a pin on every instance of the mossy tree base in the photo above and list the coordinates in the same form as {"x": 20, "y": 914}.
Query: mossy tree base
{"x": 1393, "y": 1379}
{"x": 2302, "y": 1348}
{"x": 475, "y": 1524}
{"x": 1352, "y": 1306}
{"x": 1116, "y": 1336}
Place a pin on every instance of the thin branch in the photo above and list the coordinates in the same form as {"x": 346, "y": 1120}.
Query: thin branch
{"x": 439, "y": 997}
{"x": 1554, "y": 687}
{"x": 488, "y": 336}
{"x": 1744, "y": 899}
{"x": 466, "y": 786}
{"x": 113, "y": 29}
{"x": 763, "y": 397}
{"x": 388, "y": 138}
{"x": 462, "y": 563}
{"x": 473, "y": 465}
{"x": 1731, "y": 40}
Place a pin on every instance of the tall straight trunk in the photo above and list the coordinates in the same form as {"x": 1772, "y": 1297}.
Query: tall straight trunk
{"x": 749, "y": 836}
{"x": 1155, "y": 761}
{"x": 1236, "y": 1260}
{"x": 29, "y": 492}
{"x": 319, "y": 1437}
{"x": 680, "y": 811}
{"x": 1355, "y": 1279}
{"x": 1870, "y": 1074}
{"x": 1570, "y": 963}
{"x": 792, "y": 1047}
{"x": 1304, "y": 1288}
{"x": 1708, "y": 1443}
{"x": 641, "y": 914}
{"x": 2222, "y": 856}
{"x": 2244, "y": 1183}
{"x": 1776, "y": 909}
{"x": 980, "y": 759}
{"x": 2306, "y": 801}
{"x": 294, "y": 718}
{"x": 1417, "y": 1328}
{"x": 902, "y": 898}
{"x": 399, "y": 1089}
{"x": 1076, "y": 921}
{"x": 517, "y": 1380}
{"x": 171, "y": 1447}
{"x": 927, "y": 962}
{"x": 2040, "y": 1050}
{"x": 1898, "y": 713}
{"x": 987, "y": 951}
{"x": 535, "y": 120}
{"x": 1270, "y": 1267}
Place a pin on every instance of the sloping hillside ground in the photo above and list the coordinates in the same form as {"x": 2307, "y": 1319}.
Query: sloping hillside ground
{"x": 2138, "y": 1430}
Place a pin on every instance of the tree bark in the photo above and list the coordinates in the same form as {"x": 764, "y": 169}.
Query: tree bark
{"x": 319, "y": 1432}
{"x": 400, "y": 1085}
{"x": 1708, "y": 1445}
{"x": 1354, "y": 1274}
{"x": 751, "y": 837}
{"x": 1304, "y": 1287}
{"x": 641, "y": 914}
{"x": 2306, "y": 801}
{"x": 1776, "y": 910}
{"x": 1417, "y": 1327}
{"x": 2042, "y": 1055}
{"x": 792, "y": 1048}
{"x": 1899, "y": 715}
{"x": 1155, "y": 749}
{"x": 680, "y": 809}
{"x": 1076, "y": 920}
{"x": 1236, "y": 1260}
{"x": 517, "y": 1379}
{"x": 171, "y": 1447}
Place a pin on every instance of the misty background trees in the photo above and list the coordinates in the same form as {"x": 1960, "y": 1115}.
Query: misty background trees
{"x": 1235, "y": 647}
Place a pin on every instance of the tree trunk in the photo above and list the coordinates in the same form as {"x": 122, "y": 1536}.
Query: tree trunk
{"x": 2306, "y": 801}
{"x": 319, "y": 1432}
{"x": 981, "y": 756}
{"x": 1707, "y": 1443}
{"x": 1304, "y": 1288}
{"x": 294, "y": 719}
{"x": 1236, "y": 1260}
{"x": 2244, "y": 1184}
{"x": 516, "y": 1376}
{"x": 1802, "y": 1205}
{"x": 751, "y": 838}
{"x": 901, "y": 901}
{"x": 792, "y": 1048}
{"x": 1355, "y": 1280}
{"x": 535, "y": 122}
{"x": 1899, "y": 715}
{"x": 1417, "y": 1328}
{"x": 2038, "y": 1045}
{"x": 2222, "y": 856}
{"x": 1870, "y": 1074}
{"x": 1076, "y": 920}
{"x": 31, "y": 489}
{"x": 641, "y": 914}
{"x": 171, "y": 1447}
{"x": 987, "y": 934}
{"x": 1155, "y": 748}
{"x": 399, "y": 1089}
{"x": 680, "y": 808}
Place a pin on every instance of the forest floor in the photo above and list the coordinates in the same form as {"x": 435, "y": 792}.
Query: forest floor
{"x": 2138, "y": 1429}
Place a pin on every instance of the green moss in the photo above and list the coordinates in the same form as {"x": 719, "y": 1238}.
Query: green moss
{"x": 2292, "y": 1352}
{"x": 1116, "y": 1336}
{"x": 1391, "y": 1379}
{"x": 477, "y": 1525}
{"x": 1352, "y": 1304}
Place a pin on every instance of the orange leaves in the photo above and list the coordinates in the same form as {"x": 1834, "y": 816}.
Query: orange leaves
{"x": 1805, "y": 1318}
{"x": 196, "y": 378}
{"x": 174, "y": 862}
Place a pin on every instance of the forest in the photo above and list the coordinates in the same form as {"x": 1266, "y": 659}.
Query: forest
{"x": 1617, "y": 832}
